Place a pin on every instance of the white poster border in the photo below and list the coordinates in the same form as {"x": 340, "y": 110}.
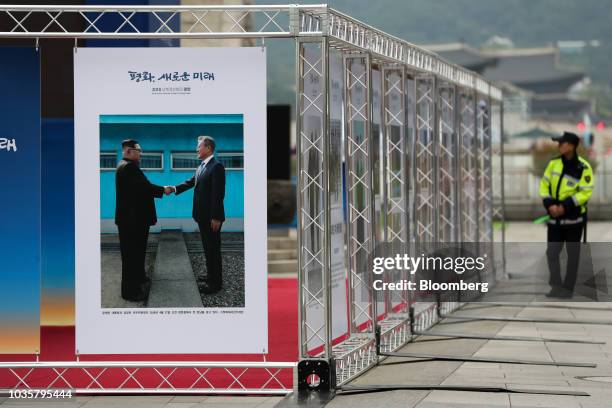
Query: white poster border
{"x": 103, "y": 86}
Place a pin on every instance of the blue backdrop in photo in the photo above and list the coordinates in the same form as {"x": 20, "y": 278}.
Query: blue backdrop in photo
{"x": 167, "y": 135}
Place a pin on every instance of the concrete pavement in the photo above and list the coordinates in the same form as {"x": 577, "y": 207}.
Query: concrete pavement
{"x": 549, "y": 378}
{"x": 173, "y": 283}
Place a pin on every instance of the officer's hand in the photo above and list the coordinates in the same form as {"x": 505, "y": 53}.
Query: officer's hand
{"x": 553, "y": 210}
{"x": 560, "y": 210}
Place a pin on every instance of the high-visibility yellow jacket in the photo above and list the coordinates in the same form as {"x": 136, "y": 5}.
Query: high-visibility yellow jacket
{"x": 570, "y": 183}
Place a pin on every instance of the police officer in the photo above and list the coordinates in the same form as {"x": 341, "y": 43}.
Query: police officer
{"x": 565, "y": 189}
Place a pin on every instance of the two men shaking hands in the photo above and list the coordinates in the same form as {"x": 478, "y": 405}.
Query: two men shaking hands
{"x": 135, "y": 213}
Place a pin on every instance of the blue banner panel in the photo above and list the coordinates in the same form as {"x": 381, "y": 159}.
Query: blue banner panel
{"x": 57, "y": 307}
{"x": 20, "y": 203}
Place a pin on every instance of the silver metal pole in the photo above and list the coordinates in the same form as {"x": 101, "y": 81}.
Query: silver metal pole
{"x": 436, "y": 159}
{"x": 457, "y": 167}
{"x": 385, "y": 184}
{"x": 299, "y": 69}
{"x": 404, "y": 170}
{"x": 489, "y": 169}
{"x": 368, "y": 134}
{"x": 346, "y": 170}
{"x": 413, "y": 147}
{"x": 348, "y": 166}
{"x": 327, "y": 278}
{"x": 503, "y": 186}
{"x": 384, "y": 160}
{"x": 477, "y": 135}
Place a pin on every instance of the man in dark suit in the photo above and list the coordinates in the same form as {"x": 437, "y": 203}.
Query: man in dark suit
{"x": 208, "y": 211}
{"x": 134, "y": 214}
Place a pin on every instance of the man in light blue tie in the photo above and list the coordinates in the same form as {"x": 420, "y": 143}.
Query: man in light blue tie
{"x": 208, "y": 209}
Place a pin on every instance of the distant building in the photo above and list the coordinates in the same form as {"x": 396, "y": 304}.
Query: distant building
{"x": 535, "y": 70}
{"x": 464, "y": 55}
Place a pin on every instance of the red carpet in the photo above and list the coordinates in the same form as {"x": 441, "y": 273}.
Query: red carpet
{"x": 57, "y": 344}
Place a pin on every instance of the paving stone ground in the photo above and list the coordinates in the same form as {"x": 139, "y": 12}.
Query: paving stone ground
{"x": 548, "y": 378}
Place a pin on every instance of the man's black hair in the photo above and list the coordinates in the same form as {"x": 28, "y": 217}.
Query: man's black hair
{"x": 129, "y": 143}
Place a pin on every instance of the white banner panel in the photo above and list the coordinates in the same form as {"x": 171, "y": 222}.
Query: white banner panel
{"x": 340, "y": 325}
{"x": 168, "y": 97}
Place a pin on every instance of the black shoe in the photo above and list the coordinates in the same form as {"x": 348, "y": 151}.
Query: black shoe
{"x": 145, "y": 286}
{"x": 565, "y": 294}
{"x": 208, "y": 289}
{"x": 135, "y": 297}
{"x": 560, "y": 293}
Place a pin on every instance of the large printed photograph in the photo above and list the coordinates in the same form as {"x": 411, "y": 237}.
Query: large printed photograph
{"x": 166, "y": 251}
{"x": 172, "y": 211}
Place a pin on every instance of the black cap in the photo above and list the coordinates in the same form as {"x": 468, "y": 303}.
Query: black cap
{"x": 568, "y": 137}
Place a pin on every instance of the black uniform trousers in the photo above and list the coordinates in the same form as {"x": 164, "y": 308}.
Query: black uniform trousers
{"x": 211, "y": 241}
{"x": 133, "y": 245}
{"x": 558, "y": 236}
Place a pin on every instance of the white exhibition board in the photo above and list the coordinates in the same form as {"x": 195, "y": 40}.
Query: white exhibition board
{"x": 217, "y": 81}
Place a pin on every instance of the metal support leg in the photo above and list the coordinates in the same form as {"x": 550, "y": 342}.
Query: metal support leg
{"x": 313, "y": 200}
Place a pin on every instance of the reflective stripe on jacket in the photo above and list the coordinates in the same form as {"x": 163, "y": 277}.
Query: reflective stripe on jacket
{"x": 567, "y": 182}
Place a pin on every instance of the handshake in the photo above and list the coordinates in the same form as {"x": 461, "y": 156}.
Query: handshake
{"x": 169, "y": 190}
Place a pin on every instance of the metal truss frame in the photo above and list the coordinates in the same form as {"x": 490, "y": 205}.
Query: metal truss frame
{"x": 448, "y": 176}
{"x": 396, "y": 175}
{"x": 426, "y": 222}
{"x": 485, "y": 178}
{"x": 484, "y": 174}
{"x": 238, "y": 21}
{"x": 223, "y": 377}
{"x": 394, "y": 328}
{"x": 408, "y": 164}
{"x": 358, "y": 353}
{"x": 497, "y": 183}
{"x": 469, "y": 169}
{"x": 359, "y": 150}
{"x": 314, "y": 213}
{"x": 447, "y": 168}
{"x": 426, "y": 166}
